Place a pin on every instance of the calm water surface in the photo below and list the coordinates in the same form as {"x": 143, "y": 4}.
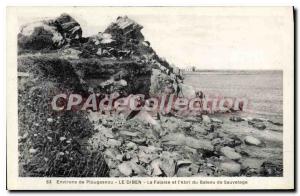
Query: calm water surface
{"x": 263, "y": 89}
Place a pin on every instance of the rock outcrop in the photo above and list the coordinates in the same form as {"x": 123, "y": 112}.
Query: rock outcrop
{"x": 125, "y": 30}
{"x": 122, "y": 43}
{"x": 49, "y": 34}
{"x": 55, "y": 58}
{"x": 120, "y": 53}
{"x": 116, "y": 60}
{"x": 40, "y": 35}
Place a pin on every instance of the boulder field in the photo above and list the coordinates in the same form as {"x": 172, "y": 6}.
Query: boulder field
{"x": 54, "y": 57}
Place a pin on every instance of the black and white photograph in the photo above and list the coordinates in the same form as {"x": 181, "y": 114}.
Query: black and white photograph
{"x": 189, "y": 96}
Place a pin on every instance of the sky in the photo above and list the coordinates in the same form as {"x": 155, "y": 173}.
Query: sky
{"x": 208, "y": 38}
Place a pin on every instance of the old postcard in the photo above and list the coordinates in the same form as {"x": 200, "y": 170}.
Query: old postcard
{"x": 150, "y": 98}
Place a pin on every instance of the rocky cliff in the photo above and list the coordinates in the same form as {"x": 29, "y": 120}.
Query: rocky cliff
{"x": 118, "y": 59}
{"x": 53, "y": 58}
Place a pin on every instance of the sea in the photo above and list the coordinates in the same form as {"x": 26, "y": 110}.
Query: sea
{"x": 263, "y": 89}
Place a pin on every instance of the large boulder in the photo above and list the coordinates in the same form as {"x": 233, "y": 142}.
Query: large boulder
{"x": 40, "y": 35}
{"x": 49, "y": 34}
{"x": 125, "y": 29}
{"x": 252, "y": 141}
{"x": 68, "y": 27}
{"x": 121, "y": 39}
{"x": 230, "y": 153}
{"x": 230, "y": 168}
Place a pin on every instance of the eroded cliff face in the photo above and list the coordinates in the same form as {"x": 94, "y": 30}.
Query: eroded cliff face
{"x": 54, "y": 58}
{"x": 116, "y": 60}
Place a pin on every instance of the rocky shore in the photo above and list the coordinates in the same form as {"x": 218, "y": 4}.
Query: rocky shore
{"x": 176, "y": 146}
{"x": 54, "y": 57}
